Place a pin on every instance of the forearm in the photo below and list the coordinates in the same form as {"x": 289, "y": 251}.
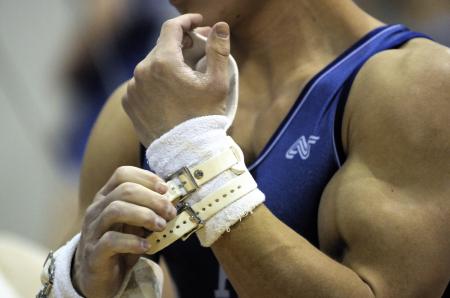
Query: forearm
{"x": 265, "y": 258}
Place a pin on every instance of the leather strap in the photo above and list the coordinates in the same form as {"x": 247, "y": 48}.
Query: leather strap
{"x": 189, "y": 179}
{"x": 192, "y": 218}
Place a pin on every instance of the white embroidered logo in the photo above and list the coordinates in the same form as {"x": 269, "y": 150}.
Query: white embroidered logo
{"x": 302, "y": 147}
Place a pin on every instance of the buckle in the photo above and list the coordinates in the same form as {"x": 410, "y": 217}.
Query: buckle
{"x": 187, "y": 180}
{"x": 49, "y": 266}
{"x": 185, "y": 207}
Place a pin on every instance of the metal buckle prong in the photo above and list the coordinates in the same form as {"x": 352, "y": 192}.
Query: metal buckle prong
{"x": 185, "y": 207}
{"x": 187, "y": 173}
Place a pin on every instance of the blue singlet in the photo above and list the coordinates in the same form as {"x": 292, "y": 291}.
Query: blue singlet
{"x": 296, "y": 164}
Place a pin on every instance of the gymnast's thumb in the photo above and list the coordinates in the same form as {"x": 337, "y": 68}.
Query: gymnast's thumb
{"x": 218, "y": 50}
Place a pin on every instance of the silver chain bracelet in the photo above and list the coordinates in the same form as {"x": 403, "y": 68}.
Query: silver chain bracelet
{"x": 47, "y": 276}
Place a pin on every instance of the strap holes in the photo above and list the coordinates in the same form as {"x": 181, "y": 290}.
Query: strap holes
{"x": 184, "y": 222}
{"x": 171, "y": 231}
{"x": 197, "y": 213}
{"x": 177, "y": 227}
{"x": 232, "y": 190}
{"x": 239, "y": 187}
{"x": 157, "y": 240}
{"x": 164, "y": 236}
{"x": 224, "y": 195}
{"x": 210, "y": 205}
{"x": 203, "y": 209}
{"x": 217, "y": 200}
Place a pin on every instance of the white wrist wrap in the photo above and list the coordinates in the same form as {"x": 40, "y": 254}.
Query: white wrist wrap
{"x": 62, "y": 283}
{"x": 191, "y": 143}
{"x": 144, "y": 280}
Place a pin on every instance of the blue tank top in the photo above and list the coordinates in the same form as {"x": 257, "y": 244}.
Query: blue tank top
{"x": 295, "y": 165}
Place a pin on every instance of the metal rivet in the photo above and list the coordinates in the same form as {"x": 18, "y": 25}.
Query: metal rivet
{"x": 198, "y": 174}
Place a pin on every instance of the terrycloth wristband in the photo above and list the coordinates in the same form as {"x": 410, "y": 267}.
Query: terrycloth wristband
{"x": 62, "y": 283}
{"x": 144, "y": 280}
{"x": 189, "y": 144}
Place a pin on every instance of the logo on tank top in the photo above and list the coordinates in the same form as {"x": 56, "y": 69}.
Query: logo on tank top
{"x": 302, "y": 147}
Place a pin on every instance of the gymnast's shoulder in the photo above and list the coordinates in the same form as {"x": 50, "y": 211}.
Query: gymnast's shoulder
{"x": 401, "y": 97}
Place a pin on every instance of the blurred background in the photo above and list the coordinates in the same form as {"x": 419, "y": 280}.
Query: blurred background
{"x": 59, "y": 61}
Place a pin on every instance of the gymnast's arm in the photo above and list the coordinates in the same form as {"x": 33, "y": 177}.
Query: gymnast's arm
{"x": 387, "y": 208}
{"x": 112, "y": 143}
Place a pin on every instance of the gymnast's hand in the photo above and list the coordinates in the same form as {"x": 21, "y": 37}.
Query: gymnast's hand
{"x": 165, "y": 91}
{"x": 124, "y": 211}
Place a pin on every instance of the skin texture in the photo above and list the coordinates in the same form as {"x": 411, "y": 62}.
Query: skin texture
{"x": 160, "y": 81}
{"x": 384, "y": 216}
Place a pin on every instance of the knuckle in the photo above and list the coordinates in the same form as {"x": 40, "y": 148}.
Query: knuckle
{"x": 158, "y": 67}
{"x": 90, "y": 209}
{"x": 90, "y": 213}
{"x": 89, "y": 249}
{"x": 127, "y": 97}
{"x": 122, "y": 173}
{"x": 169, "y": 23}
{"x": 126, "y": 103}
{"x": 131, "y": 87}
{"x": 128, "y": 189}
{"x": 114, "y": 210}
{"x": 140, "y": 71}
{"x": 109, "y": 240}
{"x": 153, "y": 178}
{"x": 221, "y": 48}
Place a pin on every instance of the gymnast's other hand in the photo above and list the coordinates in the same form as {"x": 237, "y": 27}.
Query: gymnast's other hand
{"x": 165, "y": 91}
{"x": 124, "y": 211}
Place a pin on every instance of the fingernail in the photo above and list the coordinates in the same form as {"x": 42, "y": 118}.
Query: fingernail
{"x": 145, "y": 245}
{"x": 187, "y": 42}
{"x": 222, "y": 30}
{"x": 161, "y": 187}
{"x": 171, "y": 211}
{"x": 161, "y": 223}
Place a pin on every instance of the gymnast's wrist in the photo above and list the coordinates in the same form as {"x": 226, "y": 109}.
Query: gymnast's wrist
{"x": 191, "y": 145}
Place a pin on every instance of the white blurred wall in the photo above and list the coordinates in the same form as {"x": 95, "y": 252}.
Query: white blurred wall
{"x": 37, "y": 200}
